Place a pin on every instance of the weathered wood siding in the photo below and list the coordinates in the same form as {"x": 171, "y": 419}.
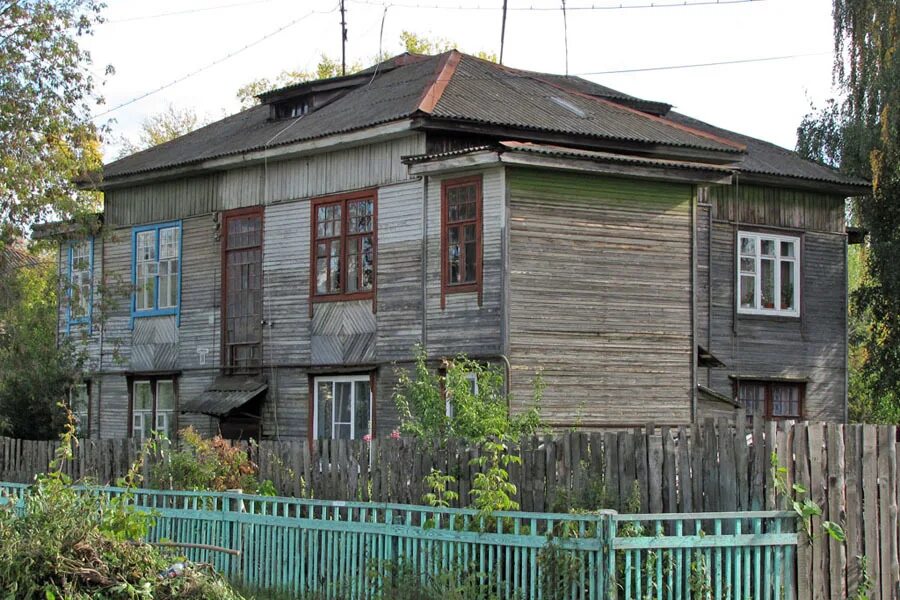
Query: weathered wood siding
{"x": 315, "y": 175}
{"x": 462, "y": 325}
{"x": 777, "y": 207}
{"x": 811, "y": 347}
{"x": 600, "y": 297}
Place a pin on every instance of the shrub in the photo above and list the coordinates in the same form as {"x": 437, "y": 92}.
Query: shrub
{"x": 208, "y": 464}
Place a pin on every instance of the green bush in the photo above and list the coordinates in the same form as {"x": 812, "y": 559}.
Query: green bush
{"x": 213, "y": 464}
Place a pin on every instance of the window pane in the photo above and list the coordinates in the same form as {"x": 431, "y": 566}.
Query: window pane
{"x": 753, "y": 397}
{"x": 767, "y": 291}
{"x": 787, "y": 285}
{"x": 359, "y": 216}
{"x": 767, "y": 247}
{"x": 165, "y": 394}
{"x": 335, "y": 267}
{"x": 368, "y": 265}
{"x": 748, "y": 265}
{"x": 352, "y": 272}
{"x": 787, "y": 249}
{"x": 471, "y": 253}
{"x": 453, "y": 251}
{"x": 322, "y": 275}
{"x": 168, "y": 243}
{"x": 78, "y": 398}
{"x": 748, "y": 246}
{"x": 143, "y": 396}
{"x": 343, "y": 410}
{"x": 361, "y": 408}
{"x": 325, "y": 401}
{"x": 748, "y": 291}
{"x": 342, "y": 431}
{"x": 785, "y": 400}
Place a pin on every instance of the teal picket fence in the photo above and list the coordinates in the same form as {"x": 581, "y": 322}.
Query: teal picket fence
{"x": 352, "y": 549}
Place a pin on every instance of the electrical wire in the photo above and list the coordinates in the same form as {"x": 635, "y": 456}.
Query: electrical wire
{"x": 210, "y": 65}
{"x": 709, "y": 64}
{"x": 619, "y": 6}
{"x": 189, "y": 11}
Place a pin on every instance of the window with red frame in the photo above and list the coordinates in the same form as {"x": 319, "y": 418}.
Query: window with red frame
{"x": 772, "y": 399}
{"x": 461, "y": 234}
{"x": 344, "y": 246}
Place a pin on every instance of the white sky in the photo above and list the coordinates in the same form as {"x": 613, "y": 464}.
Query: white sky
{"x": 764, "y": 99}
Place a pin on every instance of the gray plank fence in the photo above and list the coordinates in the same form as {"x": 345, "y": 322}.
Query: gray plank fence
{"x": 849, "y": 470}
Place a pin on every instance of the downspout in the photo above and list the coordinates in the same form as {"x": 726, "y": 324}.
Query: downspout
{"x": 846, "y": 333}
{"x": 693, "y": 347}
{"x": 424, "y": 263}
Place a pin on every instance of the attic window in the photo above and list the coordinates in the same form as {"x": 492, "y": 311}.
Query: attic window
{"x": 569, "y": 106}
{"x": 296, "y": 107}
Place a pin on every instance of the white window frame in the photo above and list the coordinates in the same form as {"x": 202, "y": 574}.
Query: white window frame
{"x": 449, "y": 409}
{"x": 81, "y": 266}
{"x": 157, "y": 416}
{"x": 341, "y": 379}
{"x": 757, "y": 309}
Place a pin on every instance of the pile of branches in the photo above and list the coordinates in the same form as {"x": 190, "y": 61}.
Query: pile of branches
{"x": 63, "y": 543}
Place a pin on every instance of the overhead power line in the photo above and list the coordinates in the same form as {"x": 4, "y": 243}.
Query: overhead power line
{"x": 210, "y": 65}
{"x": 187, "y": 11}
{"x": 709, "y": 64}
{"x": 620, "y": 6}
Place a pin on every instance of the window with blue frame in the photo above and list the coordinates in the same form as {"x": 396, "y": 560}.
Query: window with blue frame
{"x": 80, "y": 292}
{"x": 156, "y": 269}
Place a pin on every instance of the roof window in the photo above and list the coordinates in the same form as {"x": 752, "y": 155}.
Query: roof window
{"x": 569, "y": 106}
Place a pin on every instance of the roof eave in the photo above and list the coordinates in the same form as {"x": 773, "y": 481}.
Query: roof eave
{"x": 847, "y": 189}
{"x": 482, "y": 158}
{"x": 382, "y": 132}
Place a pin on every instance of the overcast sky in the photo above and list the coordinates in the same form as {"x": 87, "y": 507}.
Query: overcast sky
{"x": 152, "y": 44}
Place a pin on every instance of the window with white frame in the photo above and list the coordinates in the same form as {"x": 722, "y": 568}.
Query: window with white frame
{"x": 450, "y": 408}
{"x": 80, "y": 267}
{"x": 157, "y": 263}
{"x": 79, "y": 402}
{"x": 342, "y": 407}
{"x": 152, "y": 407}
{"x": 768, "y": 274}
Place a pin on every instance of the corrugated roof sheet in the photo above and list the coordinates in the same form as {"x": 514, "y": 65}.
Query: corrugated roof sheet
{"x": 482, "y": 92}
{"x": 224, "y": 395}
{"x": 770, "y": 159}
{"x": 478, "y": 92}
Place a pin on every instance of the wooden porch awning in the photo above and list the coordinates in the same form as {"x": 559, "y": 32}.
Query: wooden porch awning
{"x": 226, "y": 394}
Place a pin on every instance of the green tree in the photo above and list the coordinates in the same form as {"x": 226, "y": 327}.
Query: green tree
{"x": 162, "y": 127}
{"x": 419, "y": 44}
{"x": 35, "y": 372}
{"x": 860, "y": 133}
{"x": 47, "y": 139}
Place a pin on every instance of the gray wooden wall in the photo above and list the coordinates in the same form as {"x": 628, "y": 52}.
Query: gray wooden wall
{"x": 600, "y": 280}
{"x": 811, "y": 347}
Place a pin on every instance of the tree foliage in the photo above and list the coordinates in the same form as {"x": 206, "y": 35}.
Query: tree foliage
{"x": 162, "y": 127}
{"x": 47, "y": 139}
{"x": 476, "y": 412}
{"x": 35, "y": 372}
{"x": 860, "y": 133}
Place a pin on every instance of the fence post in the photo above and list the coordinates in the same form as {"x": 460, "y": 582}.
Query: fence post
{"x": 611, "y": 590}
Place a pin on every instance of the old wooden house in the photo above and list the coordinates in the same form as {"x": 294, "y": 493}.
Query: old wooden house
{"x": 267, "y": 274}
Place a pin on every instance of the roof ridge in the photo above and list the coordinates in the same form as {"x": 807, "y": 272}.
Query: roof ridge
{"x": 444, "y": 72}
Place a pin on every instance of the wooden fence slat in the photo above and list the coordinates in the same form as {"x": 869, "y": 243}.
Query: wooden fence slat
{"x": 816, "y": 492}
{"x": 801, "y": 476}
{"x": 853, "y": 512}
{"x": 885, "y": 445}
{"x": 655, "y": 473}
{"x": 870, "y": 502}
{"x": 837, "y": 569}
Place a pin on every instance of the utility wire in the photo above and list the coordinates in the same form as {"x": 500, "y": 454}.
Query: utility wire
{"x": 209, "y": 65}
{"x": 620, "y": 6}
{"x": 176, "y": 13}
{"x": 709, "y": 64}
{"x": 188, "y": 11}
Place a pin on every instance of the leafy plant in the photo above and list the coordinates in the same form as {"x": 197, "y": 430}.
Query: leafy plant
{"x": 439, "y": 496}
{"x": 475, "y": 411}
{"x": 209, "y": 464}
{"x": 491, "y": 489}
{"x": 805, "y": 507}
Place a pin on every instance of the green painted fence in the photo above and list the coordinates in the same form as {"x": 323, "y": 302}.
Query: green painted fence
{"x": 347, "y": 549}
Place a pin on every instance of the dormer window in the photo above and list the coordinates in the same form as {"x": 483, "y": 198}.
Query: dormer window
{"x": 292, "y": 109}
